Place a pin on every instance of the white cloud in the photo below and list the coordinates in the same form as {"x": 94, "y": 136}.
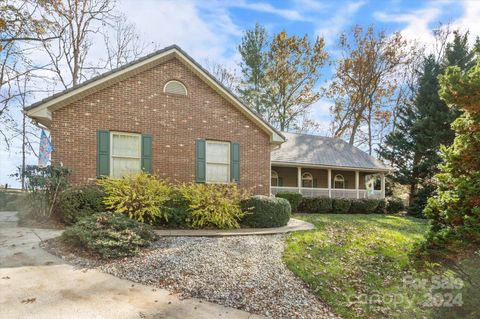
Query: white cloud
{"x": 268, "y": 8}
{"x": 311, "y": 5}
{"x": 470, "y": 19}
{"x": 330, "y": 28}
{"x": 204, "y": 33}
{"x": 417, "y": 23}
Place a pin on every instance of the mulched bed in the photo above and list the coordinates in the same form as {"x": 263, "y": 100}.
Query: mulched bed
{"x": 244, "y": 272}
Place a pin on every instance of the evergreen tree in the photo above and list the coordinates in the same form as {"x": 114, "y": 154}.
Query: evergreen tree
{"x": 455, "y": 210}
{"x": 458, "y": 52}
{"x": 414, "y": 148}
{"x": 253, "y": 50}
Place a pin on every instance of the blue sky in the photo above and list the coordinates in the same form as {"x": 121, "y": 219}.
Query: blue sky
{"x": 211, "y": 30}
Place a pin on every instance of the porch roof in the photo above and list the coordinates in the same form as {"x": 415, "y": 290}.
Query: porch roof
{"x": 320, "y": 150}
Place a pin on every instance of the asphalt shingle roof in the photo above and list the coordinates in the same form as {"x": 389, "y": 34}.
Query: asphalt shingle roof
{"x": 320, "y": 150}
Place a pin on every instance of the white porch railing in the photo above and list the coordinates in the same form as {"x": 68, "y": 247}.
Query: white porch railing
{"x": 323, "y": 192}
{"x": 344, "y": 193}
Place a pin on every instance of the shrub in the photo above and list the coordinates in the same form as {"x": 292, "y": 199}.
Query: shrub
{"x": 80, "y": 201}
{"x": 382, "y": 207}
{"x": 363, "y": 206}
{"x": 178, "y": 213}
{"x": 293, "y": 198}
{"x": 140, "y": 197}
{"x": 316, "y": 205}
{"x": 341, "y": 205}
{"x": 212, "y": 205}
{"x": 395, "y": 205}
{"x": 110, "y": 235}
{"x": 263, "y": 211}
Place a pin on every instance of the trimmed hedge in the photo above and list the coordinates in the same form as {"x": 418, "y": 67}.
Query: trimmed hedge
{"x": 382, "y": 207}
{"x": 395, "y": 205}
{"x": 80, "y": 201}
{"x": 341, "y": 205}
{"x": 316, "y": 205}
{"x": 111, "y": 235}
{"x": 293, "y": 198}
{"x": 364, "y": 206}
{"x": 265, "y": 212}
{"x": 325, "y": 205}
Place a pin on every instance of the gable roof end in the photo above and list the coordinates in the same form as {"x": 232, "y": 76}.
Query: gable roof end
{"x": 42, "y": 111}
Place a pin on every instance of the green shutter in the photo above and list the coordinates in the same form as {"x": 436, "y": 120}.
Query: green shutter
{"x": 235, "y": 162}
{"x": 103, "y": 153}
{"x": 200, "y": 161}
{"x": 280, "y": 181}
{"x": 315, "y": 182}
{"x": 147, "y": 153}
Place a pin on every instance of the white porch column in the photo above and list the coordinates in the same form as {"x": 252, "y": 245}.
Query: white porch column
{"x": 329, "y": 183}
{"x": 382, "y": 183}
{"x": 357, "y": 182}
{"x": 299, "y": 179}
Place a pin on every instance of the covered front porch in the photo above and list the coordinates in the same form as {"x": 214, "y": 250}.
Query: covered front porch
{"x": 313, "y": 181}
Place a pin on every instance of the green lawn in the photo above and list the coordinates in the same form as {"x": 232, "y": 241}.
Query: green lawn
{"x": 356, "y": 263}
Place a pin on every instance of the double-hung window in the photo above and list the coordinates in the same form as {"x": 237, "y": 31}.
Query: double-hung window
{"x": 217, "y": 162}
{"x": 125, "y": 153}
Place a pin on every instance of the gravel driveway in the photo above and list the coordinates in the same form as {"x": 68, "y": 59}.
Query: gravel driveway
{"x": 244, "y": 272}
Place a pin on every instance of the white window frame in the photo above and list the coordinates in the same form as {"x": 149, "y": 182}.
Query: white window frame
{"x": 307, "y": 177}
{"x": 274, "y": 175}
{"x": 340, "y": 179}
{"x": 130, "y": 157}
{"x": 176, "y": 81}
{"x": 228, "y": 164}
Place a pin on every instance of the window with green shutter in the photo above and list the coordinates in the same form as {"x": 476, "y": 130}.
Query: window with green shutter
{"x": 217, "y": 161}
{"x": 120, "y": 153}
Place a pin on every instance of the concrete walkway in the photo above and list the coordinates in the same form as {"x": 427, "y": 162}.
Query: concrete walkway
{"x": 293, "y": 225}
{"x": 36, "y": 284}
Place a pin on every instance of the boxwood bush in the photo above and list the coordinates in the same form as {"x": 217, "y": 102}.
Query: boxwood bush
{"x": 293, "y": 198}
{"x": 382, "y": 207}
{"x": 110, "y": 235}
{"x": 177, "y": 208}
{"x": 341, "y": 205}
{"x": 316, "y": 205}
{"x": 264, "y": 212}
{"x": 395, "y": 205}
{"x": 363, "y": 206}
{"x": 79, "y": 201}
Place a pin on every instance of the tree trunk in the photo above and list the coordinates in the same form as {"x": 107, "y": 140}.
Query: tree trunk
{"x": 23, "y": 149}
{"x": 411, "y": 194}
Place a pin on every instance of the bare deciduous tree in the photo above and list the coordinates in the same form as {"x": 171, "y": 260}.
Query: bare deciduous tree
{"x": 123, "y": 44}
{"x": 79, "y": 21}
{"x": 224, "y": 75}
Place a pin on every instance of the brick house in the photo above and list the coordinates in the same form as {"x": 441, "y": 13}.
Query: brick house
{"x": 163, "y": 114}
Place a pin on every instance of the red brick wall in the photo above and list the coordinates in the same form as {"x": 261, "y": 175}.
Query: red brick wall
{"x": 139, "y": 105}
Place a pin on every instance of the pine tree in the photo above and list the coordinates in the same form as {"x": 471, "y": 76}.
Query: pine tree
{"x": 455, "y": 210}
{"x": 400, "y": 150}
{"x": 253, "y": 50}
{"x": 420, "y": 134}
{"x": 458, "y": 52}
